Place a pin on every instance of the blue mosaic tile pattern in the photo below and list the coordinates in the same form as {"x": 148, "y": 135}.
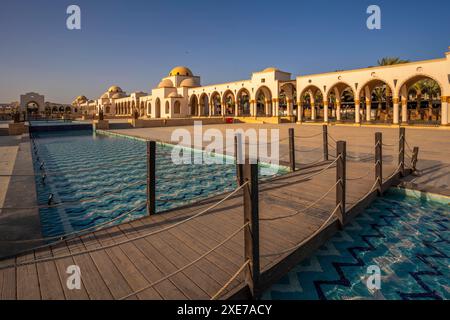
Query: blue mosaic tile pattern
{"x": 406, "y": 236}
{"x": 70, "y": 153}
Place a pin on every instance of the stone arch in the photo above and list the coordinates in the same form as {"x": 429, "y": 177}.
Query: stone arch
{"x": 167, "y": 108}
{"x": 263, "y": 98}
{"x": 142, "y": 113}
{"x": 312, "y": 103}
{"x": 344, "y": 102}
{"x": 418, "y": 93}
{"x": 376, "y": 92}
{"x": 229, "y": 102}
{"x": 287, "y": 98}
{"x": 216, "y": 105}
{"x": 204, "y": 104}
{"x": 193, "y": 106}
{"x": 243, "y": 102}
{"x": 177, "y": 107}
{"x": 32, "y": 107}
{"x": 157, "y": 108}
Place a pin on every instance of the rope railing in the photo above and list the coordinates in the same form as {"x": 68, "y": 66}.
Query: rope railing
{"x": 104, "y": 247}
{"x": 231, "y": 236}
{"x": 291, "y": 249}
{"x": 227, "y": 284}
{"x": 320, "y": 172}
{"x": 76, "y": 233}
{"x": 304, "y": 209}
{"x": 309, "y": 150}
{"x": 308, "y": 137}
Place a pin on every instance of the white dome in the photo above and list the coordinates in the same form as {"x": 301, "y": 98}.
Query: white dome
{"x": 165, "y": 84}
{"x": 188, "y": 83}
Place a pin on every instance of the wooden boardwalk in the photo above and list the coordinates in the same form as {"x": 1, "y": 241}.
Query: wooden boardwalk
{"x": 127, "y": 266}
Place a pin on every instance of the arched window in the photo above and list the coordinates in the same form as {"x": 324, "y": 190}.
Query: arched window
{"x": 177, "y": 107}
{"x": 167, "y": 107}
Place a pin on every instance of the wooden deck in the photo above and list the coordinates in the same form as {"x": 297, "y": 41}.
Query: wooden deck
{"x": 118, "y": 271}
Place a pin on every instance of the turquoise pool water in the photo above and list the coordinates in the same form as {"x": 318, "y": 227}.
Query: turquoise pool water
{"x": 102, "y": 177}
{"x": 405, "y": 234}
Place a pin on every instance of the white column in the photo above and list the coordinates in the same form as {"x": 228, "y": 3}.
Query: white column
{"x": 299, "y": 111}
{"x": 404, "y": 110}
{"x": 289, "y": 107}
{"x": 338, "y": 111}
{"x": 325, "y": 111}
{"x": 313, "y": 111}
{"x": 444, "y": 110}
{"x": 368, "y": 110}
{"x": 396, "y": 110}
{"x": 357, "y": 110}
{"x": 275, "y": 107}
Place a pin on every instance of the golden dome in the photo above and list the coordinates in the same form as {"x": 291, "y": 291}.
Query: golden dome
{"x": 188, "y": 83}
{"x": 81, "y": 98}
{"x": 165, "y": 84}
{"x": 114, "y": 89}
{"x": 181, "y": 71}
{"x": 271, "y": 69}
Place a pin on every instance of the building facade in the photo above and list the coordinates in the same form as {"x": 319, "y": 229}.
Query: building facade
{"x": 388, "y": 93}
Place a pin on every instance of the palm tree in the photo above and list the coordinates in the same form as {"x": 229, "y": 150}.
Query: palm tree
{"x": 389, "y": 61}
{"x": 420, "y": 88}
{"x": 433, "y": 90}
{"x": 379, "y": 93}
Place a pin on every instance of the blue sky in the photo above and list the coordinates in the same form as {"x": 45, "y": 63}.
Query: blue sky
{"x": 135, "y": 43}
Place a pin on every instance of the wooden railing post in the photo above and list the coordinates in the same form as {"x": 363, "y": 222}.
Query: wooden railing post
{"x": 238, "y": 158}
{"x": 291, "y": 149}
{"x": 325, "y": 142}
{"x": 341, "y": 155}
{"x": 415, "y": 155}
{"x": 379, "y": 160}
{"x": 151, "y": 177}
{"x": 251, "y": 232}
{"x": 401, "y": 151}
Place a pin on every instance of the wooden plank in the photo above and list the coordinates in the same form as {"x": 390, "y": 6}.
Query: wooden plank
{"x": 8, "y": 281}
{"x": 49, "y": 281}
{"x": 27, "y": 279}
{"x": 112, "y": 277}
{"x": 61, "y": 267}
{"x": 166, "y": 289}
{"x": 90, "y": 275}
{"x": 166, "y": 248}
{"x": 190, "y": 289}
{"x": 126, "y": 267}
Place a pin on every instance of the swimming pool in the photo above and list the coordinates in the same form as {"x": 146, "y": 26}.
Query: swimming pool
{"x": 100, "y": 177}
{"x": 405, "y": 234}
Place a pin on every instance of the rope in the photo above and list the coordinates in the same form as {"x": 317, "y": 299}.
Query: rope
{"x": 305, "y": 240}
{"x": 187, "y": 265}
{"x": 310, "y": 150}
{"x": 395, "y": 171}
{"x": 409, "y": 147}
{"x": 360, "y": 177}
{"x": 64, "y": 237}
{"x": 246, "y": 263}
{"x": 308, "y": 137}
{"x": 25, "y": 263}
{"x": 331, "y": 137}
{"x": 304, "y": 209}
{"x": 311, "y": 163}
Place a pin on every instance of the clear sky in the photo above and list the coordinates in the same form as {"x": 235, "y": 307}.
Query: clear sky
{"x": 135, "y": 43}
